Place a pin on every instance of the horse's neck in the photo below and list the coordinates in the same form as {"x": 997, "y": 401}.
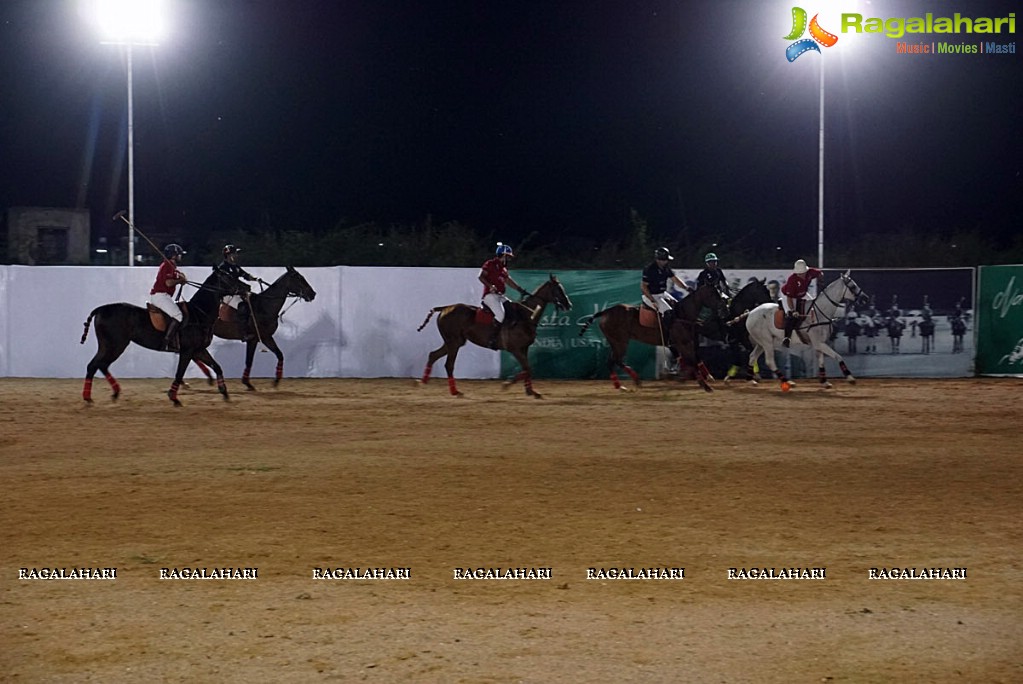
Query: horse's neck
{"x": 535, "y": 299}
{"x": 690, "y": 308}
{"x": 741, "y": 302}
{"x": 826, "y": 301}
{"x": 274, "y": 295}
{"x": 202, "y": 307}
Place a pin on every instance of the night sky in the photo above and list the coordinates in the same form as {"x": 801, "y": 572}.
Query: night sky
{"x": 555, "y": 117}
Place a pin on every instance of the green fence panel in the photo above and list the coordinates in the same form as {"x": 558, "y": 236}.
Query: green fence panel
{"x": 1000, "y": 320}
{"x": 559, "y": 351}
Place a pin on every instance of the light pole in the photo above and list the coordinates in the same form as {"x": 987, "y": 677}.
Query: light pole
{"x": 820, "y": 174}
{"x": 128, "y": 23}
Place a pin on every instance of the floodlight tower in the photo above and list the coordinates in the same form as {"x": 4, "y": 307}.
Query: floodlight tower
{"x": 129, "y": 23}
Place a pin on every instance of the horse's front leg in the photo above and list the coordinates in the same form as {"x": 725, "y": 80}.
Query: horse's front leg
{"x": 695, "y": 363}
{"x": 250, "y": 353}
{"x": 205, "y": 370}
{"x": 526, "y": 374}
{"x": 204, "y": 357}
{"x": 271, "y": 344}
{"x": 184, "y": 358}
{"x": 825, "y": 349}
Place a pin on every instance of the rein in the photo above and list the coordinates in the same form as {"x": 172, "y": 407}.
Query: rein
{"x": 830, "y": 320}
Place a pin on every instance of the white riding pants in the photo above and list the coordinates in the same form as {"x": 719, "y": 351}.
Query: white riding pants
{"x": 233, "y": 301}
{"x": 662, "y": 302}
{"x": 495, "y": 302}
{"x": 165, "y": 303}
{"x": 788, "y": 309}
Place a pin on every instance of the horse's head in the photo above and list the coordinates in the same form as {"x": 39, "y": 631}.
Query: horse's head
{"x": 752, "y": 295}
{"x": 710, "y": 297}
{"x": 552, "y": 291}
{"x": 298, "y": 286}
{"x": 852, "y": 291}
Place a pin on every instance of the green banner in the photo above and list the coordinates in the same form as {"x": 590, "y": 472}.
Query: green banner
{"x": 559, "y": 351}
{"x": 1000, "y": 321}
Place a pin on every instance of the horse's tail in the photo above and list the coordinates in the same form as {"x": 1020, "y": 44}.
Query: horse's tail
{"x": 88, "y": 322}
{"x": 430, "y": 315}
{"x": 589, "y": 321}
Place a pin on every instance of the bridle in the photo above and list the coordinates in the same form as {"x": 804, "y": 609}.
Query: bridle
{"x": 846, "y": 287}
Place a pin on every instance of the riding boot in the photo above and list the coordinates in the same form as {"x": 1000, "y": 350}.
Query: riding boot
{"x": 495, "y": 333}
{"x": 170, "y": 340}
{"x": 790, "y": 324}
{"x": 243, "y": 322}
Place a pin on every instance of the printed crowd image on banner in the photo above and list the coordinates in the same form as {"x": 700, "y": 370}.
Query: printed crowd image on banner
{"x": 910, "y": 323}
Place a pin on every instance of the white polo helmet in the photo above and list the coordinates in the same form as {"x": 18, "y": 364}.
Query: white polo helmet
{"x": 800, "y": 267}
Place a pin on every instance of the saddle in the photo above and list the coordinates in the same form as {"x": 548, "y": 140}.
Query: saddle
{"x": 483, "y": 316}
{"x": 779, "y": 323}
{"x": 648, "y": 317}
{"x": 159, "y": 319}
{"x": 227, "y": 314}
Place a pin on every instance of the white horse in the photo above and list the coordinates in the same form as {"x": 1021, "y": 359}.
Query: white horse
{"x": 765, "y": 334}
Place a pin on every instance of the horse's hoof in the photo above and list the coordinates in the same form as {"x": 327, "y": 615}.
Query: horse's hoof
{"x": 88, "y": 402}
{"x": 250, "y": 388}
{"x": 113, "y": 397}
{"x": 185, "y": 385}
{"x": 707, "y": 388}
{"x": 826, "y": 385}
{"x": 209, "y": 381}
{"x": 752, "y": 382}
{"x": 851, "y": 380}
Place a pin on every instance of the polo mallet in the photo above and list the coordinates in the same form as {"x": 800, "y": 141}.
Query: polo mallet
{"x": 123, "y": 216}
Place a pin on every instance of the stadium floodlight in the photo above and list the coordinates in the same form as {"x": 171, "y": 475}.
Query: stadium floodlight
{"x": 128, "y": 23}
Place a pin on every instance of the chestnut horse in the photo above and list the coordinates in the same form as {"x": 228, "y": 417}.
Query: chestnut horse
{"x": 458, "y": 324}
{"x": 118, "y": 325}
{"x": 620, "y": 323}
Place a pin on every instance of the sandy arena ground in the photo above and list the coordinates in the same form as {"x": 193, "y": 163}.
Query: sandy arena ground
{"x": 382, "y": 473}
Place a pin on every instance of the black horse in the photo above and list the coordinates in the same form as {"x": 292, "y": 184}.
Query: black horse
{"x": 732, "y": 329}
{"x": 265, "y": 311}
{"x": 118, "y": 325}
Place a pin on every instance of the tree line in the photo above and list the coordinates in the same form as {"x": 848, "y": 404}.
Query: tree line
{"x": 455, "y": 244}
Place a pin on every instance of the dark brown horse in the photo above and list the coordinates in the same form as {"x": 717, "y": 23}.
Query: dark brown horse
{"x": 266, "y": 309}
{"x": 118, "y": 325}
{"x": 620, "y": 323}
{"x": 457, "y": 325}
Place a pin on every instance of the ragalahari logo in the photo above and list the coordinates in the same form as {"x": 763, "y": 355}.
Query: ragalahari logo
{"x": 818, "y": 34}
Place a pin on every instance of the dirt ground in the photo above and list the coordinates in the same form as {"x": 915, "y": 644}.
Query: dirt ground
{"x": 384, "y": 473}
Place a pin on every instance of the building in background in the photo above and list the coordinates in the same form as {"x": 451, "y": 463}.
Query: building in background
{"x": 39, "y": 236}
